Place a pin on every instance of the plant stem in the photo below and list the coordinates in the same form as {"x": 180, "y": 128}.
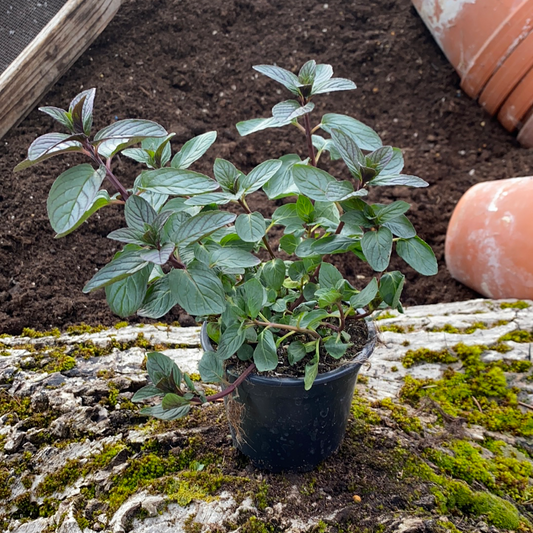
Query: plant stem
{"x": 358, "y": 316}
{"x": 230, "y": 388}
{"x": 310, "y": 147}
{"x": 309, "y": 332}
{"x": 342, "y": 322}
{"x": 175, "y": 263}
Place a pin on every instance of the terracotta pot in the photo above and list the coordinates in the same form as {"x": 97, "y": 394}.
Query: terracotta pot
{"x": 489, "y": 245}
{"x": 477, "y": 35}
{"x": 508, "y": 76}
{"x": 525, "y": 136}
{"x": 518, "y": 103}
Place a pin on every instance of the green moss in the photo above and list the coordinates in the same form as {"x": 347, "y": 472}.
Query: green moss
{"x": 474, "y": 327}
{"x": 394, "y": 328}
{"x": 518, "y": 335}
{"x": 255, "y": 525}
{"x": 394, "y": 368}
{"x": 362, "y": 379}
{"x": 363, "y": 413}
{"x": 83, "y": 328}
{"x": 29, "y": 332}
{"x": 500, "y": 347}
{"x": 58, "y": 481}
{"x": 400, "y": 415}
{"x": 447, "y": 328}
{"x": 261, "y": 496}
{"x": 406, "y": 343}
{"x": 423, "y": 355}
{"x": 6, "y": 480}
{"x": 120, "y": 325}
{"x": 479, "y": 394}
{"x": 519, "y": 304}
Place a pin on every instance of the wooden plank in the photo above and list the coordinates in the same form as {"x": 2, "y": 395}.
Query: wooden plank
{"x": 50, "y": 55}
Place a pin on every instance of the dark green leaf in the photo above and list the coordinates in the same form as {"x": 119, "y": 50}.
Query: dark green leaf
{"x": 390, "y": 288}
{"x": 216, "y": 198}
{"x": 418, "y": 254}
{"x": 311, "y": 372}
{"x": 231, "y": 260}
{"x": 131, "y": 129}
{"x": 257, "y": 124}
{"x": 306, "y": 76}
{"x": 226, "y": 174}
{"x": 203, "y": 224}
{"x": 399, "y": 179}
{"x": 295, "y": 352}
{"x": 334, "y": 244}
{"x": 128, "y": 235}
{"x": 364, "y": 136}
{"x": 87, "y": 108}
{"x": 211, "y": 368}
{"x": 176, "y": 181}
{"x": 198, "y": 290}
{"x": 349, "y": 151}
{"x": 281, "y": 183}
{"x": 193, "y": 149}
{"x": 47, "y": 146}
{"x": 313, "y": 318}
{"x": 401, "y": 227}
{"x": 139, "y": 213}
{"x": 148, "y": 391}
{"x": 250, "y": 228}
{"x": 230, "y": 341}
{"x": 363, "y": 298}
{"x": 312, "y": 181}
{"x": 124, "y": 297}
{"x": 258, "y": 176}
{"x": 377, "y": 247}
{"x": 273, "y": 273}
{"x": 158, "y": 256}
{"x": 159, "y": 299}
{"x": 173, "y": 401}
{"x": 285, "y": 77}
{"x": 72, "y": 194}
{"x": 327, "y": 297}
{"x": 60, "y": 115}
{"x": 335, "y": 84}
{"x": 329, "y": 276}
{"x": 245, "y": 352}
{"x": 335, "y": 347}
{"x": 265, "y": 353}
{"x": 157, "y": 411}
{"x": 289, "y": 243}
{"x": 390, "y": 212}
{"x": 290, "y": 110}
{"x": 395, "y": 165}
{"x": 304, "y": 209}
{"x": 163, "y": 370}
{"x": 255, "y": 296}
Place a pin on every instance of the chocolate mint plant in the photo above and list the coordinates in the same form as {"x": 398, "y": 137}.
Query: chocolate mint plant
{"x": 264, "y": 302}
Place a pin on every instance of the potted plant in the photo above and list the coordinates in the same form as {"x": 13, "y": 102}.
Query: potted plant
{"x": 290, "y": 330}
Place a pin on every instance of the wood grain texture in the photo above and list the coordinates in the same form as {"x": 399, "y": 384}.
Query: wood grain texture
{"x": 50, "y": 55}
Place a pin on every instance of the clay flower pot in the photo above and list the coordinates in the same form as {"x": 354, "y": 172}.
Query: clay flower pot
{"x": 517, "y": 104}
{"x": 477, "y": 36}
{"x": 489, "y": 244}
{"x": 525, "y": 136}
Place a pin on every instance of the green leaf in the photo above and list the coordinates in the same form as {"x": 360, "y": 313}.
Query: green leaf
{"x": 290, "y": 110}
{"x": 377, "y": 247}
{"x": 217, "y": 198}
{"x": 128, "y": 235}
{"x": 399, "y": 179}
{"x": 380, "y": 158}
{"x": 364, "y": 136}
{"x": 312, "y": 318}
{"x": 329, "y": 276}
{"x": 233, "y": 260}
{"x": 198, "y": 290}
{"x": 255, "y": 296}
{"x": 258, "y": 176}
{"x": 335, "y": 347}
{"x": 363, "y": 298}
{"x": 311, "y": 372}
{"x": 395, "y": 165}
{"x": 227, "y": 175}
{"x": 287, "y": 215}
{"x": 139, "y": 155}
{"x": 163, "y": 371}
{"x": 418, "y": 254}
{"x": 266, "y": 353}
{"x": 148, "y": 391}
{"x": 273, "y": 273}
{"x": 281, "y": 183}
{"x": 322, "y": 74}
{"x": 245, "y": 352}
{"x": 335, "y": 84}
{"x": 327, "y": 297}
{"x": 87, "y": 108}
{"x": 125, "y": 265}
{"x": 158, "y": 256}
{"x": 124, "y": 297}
{"x": 304, "y": 209}
{"x": 193, "y": 149}
{"x": 401, "y": 227}
{"x": 230, "y": 341}
{"x": 258, "y": 124}
{"x": 390, "y": 288}
{"x": 159, "y": 299}
{"x": 130, "y": 129}
{"x": 102, "y": 199}
{"x": 338, "y": 191}
{"x": 334, "y": 244}
{"x": 306, "y": 76}
{"x": 295, "y": 352}
{"x": 390, "y": 212}
{"x": 47, "y": 146}
{"x": 157, "y": 411}
{"x": 173, "y": 401}
{"x": 72, "y": 194}
{"x": 203, "y": 224}
{"x": 139, "y": 213}
{"x": 312, "y": 181}
{"x": 285, "y": 77}
{"x": 60, "y": 115}
{"x": 289, "y": 243}
{"x": 250, "y": 228}
{"x": 211, "y": 368}
{"x": 349, "y": 151}
{"x": 176, "y": 181}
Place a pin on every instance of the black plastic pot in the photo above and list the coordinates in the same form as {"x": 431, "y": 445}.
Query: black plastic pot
{"x": 282, "y": 427}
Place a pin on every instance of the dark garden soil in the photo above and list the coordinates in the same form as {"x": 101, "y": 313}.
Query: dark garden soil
{"x": 187, "y": 64}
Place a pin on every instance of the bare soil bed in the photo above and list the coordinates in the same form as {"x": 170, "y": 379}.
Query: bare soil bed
{"x": 187, "y": 64}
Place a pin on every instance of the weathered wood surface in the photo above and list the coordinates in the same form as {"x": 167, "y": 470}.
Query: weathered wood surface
{"x": 50, "y": 55}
